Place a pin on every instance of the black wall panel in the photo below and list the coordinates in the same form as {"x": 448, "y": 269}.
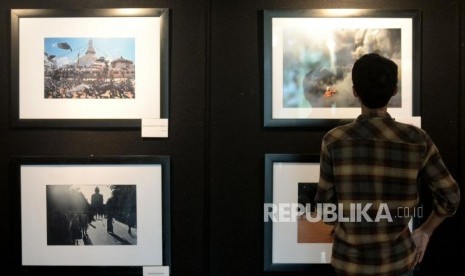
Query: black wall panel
{"x": 186, "y": 139}
{"x": 461, "y": 160}
{"x": 239, "y": 142}
{"x": 217, "y": 141}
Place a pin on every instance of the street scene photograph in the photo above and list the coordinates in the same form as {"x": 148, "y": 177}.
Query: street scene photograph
{"x": 89, "y": 68}
{"x": 82, "y": 215}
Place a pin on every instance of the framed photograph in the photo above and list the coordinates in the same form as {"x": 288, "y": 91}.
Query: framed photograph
{"x": 296, "y": 239}
{"x": 92, "y": 212}
{"x": 294, "y": 243}
{"x": 308, "y": 59}
{"x": 89, "y": 68}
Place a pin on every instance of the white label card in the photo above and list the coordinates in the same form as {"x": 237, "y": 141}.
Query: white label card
{"x": 156, "y": 271}
{"x": 153, "y": 128}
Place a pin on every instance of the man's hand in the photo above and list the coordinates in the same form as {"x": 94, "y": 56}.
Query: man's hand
{"x": 422, "y": 234}
{"x": 420, "y": 238}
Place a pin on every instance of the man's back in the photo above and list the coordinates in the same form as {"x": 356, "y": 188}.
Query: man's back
{"x": 375, "y": 162}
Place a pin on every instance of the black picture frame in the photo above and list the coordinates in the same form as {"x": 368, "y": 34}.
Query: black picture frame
{"x": 50, "y": 164}
{"x": 278, "y": 114}
{"x": 269, "y": 192}
{"x": 269, "y": 264}
{"x": 105, "y": 121}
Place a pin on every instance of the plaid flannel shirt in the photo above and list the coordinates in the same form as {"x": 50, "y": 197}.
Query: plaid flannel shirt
{"x": 376, "y": 160}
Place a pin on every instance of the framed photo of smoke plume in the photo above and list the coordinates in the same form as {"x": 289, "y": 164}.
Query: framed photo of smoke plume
{"x": 292, "y": 241}
{"x": 87, "y": 213}
{"x": 89, "y": 68}
{"x": 308, "y": 59}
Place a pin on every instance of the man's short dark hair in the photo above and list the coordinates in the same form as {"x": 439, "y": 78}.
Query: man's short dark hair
{"x": 375, "y": 80}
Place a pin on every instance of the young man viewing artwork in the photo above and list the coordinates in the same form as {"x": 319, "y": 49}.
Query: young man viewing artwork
{"x": 373, "y": 166}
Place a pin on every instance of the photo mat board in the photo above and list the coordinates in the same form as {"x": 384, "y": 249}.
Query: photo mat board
{"x": 308, "y": 58}
{"x": 89, "y": 68}
{"x": 284, "y": 249}
{"x": 56, "y": 190}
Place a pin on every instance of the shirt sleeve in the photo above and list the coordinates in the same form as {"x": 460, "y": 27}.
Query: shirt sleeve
{"x": 446, "y": 193}
{"x": 326, "y": 192}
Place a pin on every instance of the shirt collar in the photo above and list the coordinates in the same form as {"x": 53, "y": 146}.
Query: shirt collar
{"x": 374, "y": 114}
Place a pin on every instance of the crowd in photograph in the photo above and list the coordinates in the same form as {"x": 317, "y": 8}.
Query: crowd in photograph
{"x": 69, "y": 83}
{"x": 69, "y": 213}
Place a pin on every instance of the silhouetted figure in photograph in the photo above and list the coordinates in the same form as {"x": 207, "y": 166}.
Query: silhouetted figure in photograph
{"x": 131, "y": 220}
{"x": 58, "y": 230}
{"x": 83, "y": 219}
{"x": 110, "y": 223}
{"x": 96, "y": 203}
{"x": 110, "y": 215}
{"x": 75, "y": 229}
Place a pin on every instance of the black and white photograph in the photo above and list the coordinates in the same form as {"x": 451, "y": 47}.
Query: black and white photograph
{"x": 91, "y": 215}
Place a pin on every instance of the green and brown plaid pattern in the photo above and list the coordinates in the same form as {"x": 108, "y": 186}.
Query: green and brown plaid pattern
{"x": 377, "y": 160}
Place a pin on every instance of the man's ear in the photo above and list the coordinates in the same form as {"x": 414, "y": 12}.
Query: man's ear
{"x": 354, "y": 92}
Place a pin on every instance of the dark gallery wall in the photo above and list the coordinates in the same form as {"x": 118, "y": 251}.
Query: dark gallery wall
{"x": 239, "y": 141}
{"x": 462, "y": 125}
{"x": 217, "y": 141}
{"x": 185, "y": 145}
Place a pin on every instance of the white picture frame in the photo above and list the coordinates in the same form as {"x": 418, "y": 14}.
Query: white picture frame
{"x": 283, "y": 252}
{"x": 30, "y": 28}
{"x": 308, "y": 50}
{"x": 149, "y": 175}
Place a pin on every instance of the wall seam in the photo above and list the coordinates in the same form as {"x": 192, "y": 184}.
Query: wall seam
{"x": 207, "y": 136}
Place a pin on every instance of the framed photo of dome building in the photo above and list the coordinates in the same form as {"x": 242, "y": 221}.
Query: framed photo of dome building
{"x": 89, "y": 68}
{"x": 308, "y": 59}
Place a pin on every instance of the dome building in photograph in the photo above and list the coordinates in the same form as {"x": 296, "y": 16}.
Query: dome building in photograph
{"x": 122, "y": 68}
{"x": 90, "y": 56}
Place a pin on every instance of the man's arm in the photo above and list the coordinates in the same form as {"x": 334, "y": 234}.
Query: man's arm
{"x": 446, "y": 197}
{"x": 325, "y": 192}
{"x": 422, "y": 234}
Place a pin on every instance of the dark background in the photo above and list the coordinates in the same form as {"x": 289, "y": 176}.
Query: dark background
{"x": 217, "y": 140}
